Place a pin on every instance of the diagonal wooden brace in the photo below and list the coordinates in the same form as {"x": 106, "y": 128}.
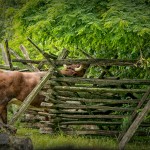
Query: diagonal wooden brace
{"x": 31, "y": 96}
{"x": 134, "y": 126}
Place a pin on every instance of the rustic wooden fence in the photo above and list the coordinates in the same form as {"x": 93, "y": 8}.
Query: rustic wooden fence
{"x": 105, "y": 105}
{"x": 99, "y": 102}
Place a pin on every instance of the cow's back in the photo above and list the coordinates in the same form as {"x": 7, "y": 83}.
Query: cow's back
{"x": 10, "y": 83}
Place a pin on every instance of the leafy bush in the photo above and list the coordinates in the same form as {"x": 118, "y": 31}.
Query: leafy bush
{"x": 102, "y": 28}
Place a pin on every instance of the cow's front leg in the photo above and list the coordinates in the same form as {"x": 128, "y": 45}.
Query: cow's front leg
{"x": 3, "y": 117}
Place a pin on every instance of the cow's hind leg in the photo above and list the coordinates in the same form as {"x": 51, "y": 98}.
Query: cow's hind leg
{"x": 4, "y": 115}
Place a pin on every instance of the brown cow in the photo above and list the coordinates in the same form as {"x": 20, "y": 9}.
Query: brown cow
{"x": 14, "y": 84}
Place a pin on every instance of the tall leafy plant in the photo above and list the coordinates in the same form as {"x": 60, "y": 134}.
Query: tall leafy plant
{"x": 103, "y": 28}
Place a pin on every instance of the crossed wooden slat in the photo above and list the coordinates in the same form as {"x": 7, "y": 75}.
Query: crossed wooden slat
{"x": 136, "y": 122}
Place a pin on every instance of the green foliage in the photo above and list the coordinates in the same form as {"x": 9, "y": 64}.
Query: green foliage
{"x": 125, "y": 123}
{"x": 103, "y": 28}
{"x": 2, "y": 19}
{"x": 7, "y": 11}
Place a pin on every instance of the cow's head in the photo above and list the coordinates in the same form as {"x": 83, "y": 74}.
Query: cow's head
{"x": 74, "y": 70}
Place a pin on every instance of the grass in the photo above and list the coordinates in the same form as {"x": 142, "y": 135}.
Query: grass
{"x": 47, "y": 141}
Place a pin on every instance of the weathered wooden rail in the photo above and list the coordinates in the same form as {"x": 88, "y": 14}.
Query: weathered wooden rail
{"x": 98, "y": 100}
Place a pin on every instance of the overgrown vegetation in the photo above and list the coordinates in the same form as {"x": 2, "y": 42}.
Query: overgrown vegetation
{"x": 46, "y": 141}
{"x": 103, "y": 28}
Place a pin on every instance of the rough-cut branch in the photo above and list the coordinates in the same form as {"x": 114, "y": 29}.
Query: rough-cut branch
{"x": 102, "y": 81}
{"x": 96, "y": 62}
{"x": 4, "y": 55}
{"x": 8, "y": 55}
{"x": 29, "y": 61}
{"x": 46, "y": 55}
{"x": 100, "y": 62}
{"x": 7, "y": 67}
{"x": 135, "y": 112}
{"x": 140, "y": 104}
{"x": 89, "y": 122}
{"x": 92, "y": 116}
{"x": 63, "y": 54}
{"x": 135, "y": 124}
{"x": 31, "y": 96}
{"x": 18, "y": 57}
{"x": 102, "y": 90}
{"x": 106, "y": 101}
{"x": 26, "y": 55}
{"x": 86, "y": 54}
{"x": 78, "y": 106}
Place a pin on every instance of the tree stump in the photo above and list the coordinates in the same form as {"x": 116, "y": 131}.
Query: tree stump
{"x": 14, "y": 143}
